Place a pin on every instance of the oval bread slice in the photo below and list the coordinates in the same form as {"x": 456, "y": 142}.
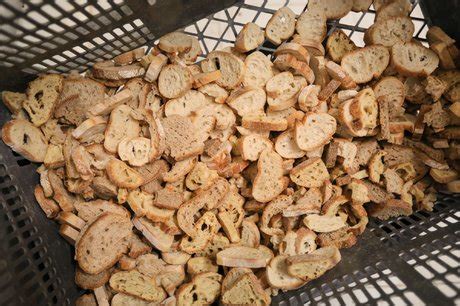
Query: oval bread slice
{"x": 314, "y": 131}
{"x": 311, "y": 25}
{"x": 136, "y": 284}
{"x": 313, "y": 265}
{"x": 243, "y": 257}
{"x": 333, "y": 9}
{"x": 281, "y": 26}
{"x": 390, "y": 31}
{"x": 231, "y": 67}
{"x": 174, "y": 81}
{"x": 366, "y": 63}
{"x": 413, "y": 59}
{"x": 278, "y": 277}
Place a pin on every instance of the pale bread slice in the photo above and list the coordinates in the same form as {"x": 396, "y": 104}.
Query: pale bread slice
{"x": 288, "y": 96}
{"x": 26, "y": 139}
{"x": 203, "y": 289}
{"x": 390, "y": 89}
{"x": 103, "y": 243}
{"x": 311, "y": 25}
{"x": 366, "y": 63}
{"x": 393, "y": 9}
{"x": 333, "y": 9}
{"x": 122, "y": 299}
{"x": 412, "y": 59}
{"x": 281, "y": 26}
{"x": 259, "y": 69}
{"x": 49, "y": 206}
{"x": 278, "y": 276}
{"x": 364, "y": 109}
{"x": 286, "y": 146}
{"x": 231, "y": 67}
{"x": 295, "y": 49}
{"x": 390, "y": 31}
{"x": 136, "y": 151}
{"x": 185, "y": 105}
{"x": 243, "y": 257}
{"x": 214, "y": 91}
{"x": 279, "y": 84}
{"x": 175, "y": 42}
{"x": 106, "y": 106}
{"x": 338, "y": 44}
{"x": 361, "y": 5}
{"x": 275, "y": 207}
{"x": 42, "y": 97}
{"x": 247, "y": 101}
{"x": 121, "y": 115}
{"x": 250, "y": 37}
{"x": 251, "y": 146}
{"x": 310, "y": 173}
{"x": 107, "y": 70}
{"x": 154, "y": 68}
{"x": 269, "y": 181}
{"x": 288, "y": 62}
{"x": 13, "y": 100}
{"x": 89, "y": 128}
{"x": 313, "y": 265}
{"x": 192, "y": 54}
{"x": 263, "y": 122}
{"x": 314, "y": 131}
{"x": 91, "y": 210}
{"x": 314, "y": 47}
{"x": 309, "y": 203}
{"x": 179, "y": 170}
{"x": 250, "y": 235}
{"x": 203, "y": 78}
{"x": 136, "y": 284}
{"x": 337, "y": 73}
{"x": 174, "y": 81}
{"x": 308, "y": 98}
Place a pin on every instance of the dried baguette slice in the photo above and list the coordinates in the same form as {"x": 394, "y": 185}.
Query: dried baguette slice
{"x": 91, "y": 281}
{"x": 393, "y": 9}
{"x": 107, "y": 70}
{"x": 311, "y": 25}
{"x": 278, "y": 276}
{"x": 192, "y": 54}
{"x": 412, "y": 59}
{"x": 214, "y": 91}
{"x": 136, "y": 284}
{"x": 390, "y": 208}
{"x": 337, "y": 73}
{"x": 295, "y": 49}
{"x": 129, "y": 57}
{"x": 250, "y": 37}
{"x": 288, "y": 96}
{"x": 269, "y": 181}
{"x": 313, "y": 265}
{"x": 261, "y": 122}
{"x": 13, "y": 100}
{"x": 106, "y": 106}
{"x": 49, "y": 206}
{"x": 120, "y": 116}
{"x": 333, "y": 9}
{"x": 42, "y": 96}
{"x": 314, "y": 47}
{"x": 121, "y": 299}
{"x": 366, "y": 63}
{"x": 361, "y": 5}
{"x": 174, "y": 81}
{"x": 201, "y": 79}
{"x": 250, "y": 235}
{"x": 156, "y": 65}
{"x": 314, "y": 131}
{"x": 289, "y": 62}
{"x": 180, "y": 170}
{"x": 231, "y": 67}
{"x": 310, "y": 173}
{"x": 390, "y": 89}
{"x": 203, "y": 289}
{"x": 200, "y": 264}
{"x": 286, "y": 146}
{"x": 318, "y": 65}
{"x": 443, "y": 176}
{"x": 390, "y": 31}
{"x": 122, "y": 175}
{"x": 246, "y": 290}
{"x": 247, "y": 100}
{"x": 259, "y": 69}
{"x": 281, "y": 26}
{"x": 26, "y": 139}
{"x": 103, "y": 243}
{"x": 275, "y": 207}
{"x": 251, "y": 146}
{"x": 436, "y": 34}
{"x": 136, "y": 151}
{"x": 338, "y": 44}
{"x": 185, "y": 105}
{"x": 243, "y": 257}
{"x": 364, "y": 109}
{"x": 175, "y": 42}
{"x": 323, "y": 223}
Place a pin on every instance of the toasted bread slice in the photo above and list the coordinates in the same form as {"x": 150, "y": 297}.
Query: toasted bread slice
{"x": 338, "y": 44}
{"x": 136, "y": 284}
{"x": 333, "y": 9}
{"x": 311, "y": 25}
{"x": 249, "y": 38}
{"x": 313, "y": 265}
{"x": 280, "y": 26}
{"x": 366, "y": 63}
{"x": 231, "y": 67}
{"x": 412, "y": 59}
{"x": 243, "y": 257}
{"x": 314, "y": 131}
{"x": 278, "y": 277}
{"x": 269, "y": 181}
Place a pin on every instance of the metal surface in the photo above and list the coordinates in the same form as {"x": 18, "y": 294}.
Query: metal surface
{"x": 408, "y": 260}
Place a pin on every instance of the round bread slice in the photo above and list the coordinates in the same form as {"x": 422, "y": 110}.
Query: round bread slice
{"x": 231, "y": 67}
{"x": 278, "y": 277}
{"x": 26, "y": 139}
{"x": 314, "y": 131}
{"x": 338, "y": 44}
{"x": 333, "y": 9}
{"x": 250, "y": 37}
{"x": 281, "y": 26}
{"x": 311, "y": 25}
{"x": 310, "y": 173}
{"x": 174, "y": 81}
{"x": 247, "y": 101}
{"x": 175, "y": 42}
{"x": 413, "y": 59}
{"x": 136, "y": 284}
{"x": 103, "y": 243}
{"x": 286, "y": 146}
{"x": 366, "y": 63}
{"x": 390, "y": 31}
{"x": 259, "y": 69}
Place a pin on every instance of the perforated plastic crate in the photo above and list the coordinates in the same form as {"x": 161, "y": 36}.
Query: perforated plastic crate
{"x": 409, "y": 260}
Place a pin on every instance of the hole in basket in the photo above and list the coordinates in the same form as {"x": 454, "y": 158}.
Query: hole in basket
{"x": 386, "y": 229}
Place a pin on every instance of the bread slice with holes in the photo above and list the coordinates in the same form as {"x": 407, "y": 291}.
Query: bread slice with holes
{"x": 390, "y": 89}
{"x": 136, "y": 284}
{"x": 259, "y": 69}
{"x": 269, "y": 181}
{"x": 250, "y": 37}
{"x": 281, "y": 26}
{"x": 174, "y": 81}
{"x": 311, "y": 25}
{"x": 413, "y": 59}
{"x": 231, "y": 67}
{"x": 310, "y": 173}
{"x": 314, "y": 131}
{"x": 181, "y": 139}
{"x": 313, "y": 265}
{"x": 366, "y": 63}
{"x": 333, "y": 9}
{"x": 103, "y": 243}
{"x": 251, "y": 146}
{"x": 390, "y": 31}
{"x": 338, "y": 44}
{"x": 42, "y": 96}
{"x": 26, "y": 139}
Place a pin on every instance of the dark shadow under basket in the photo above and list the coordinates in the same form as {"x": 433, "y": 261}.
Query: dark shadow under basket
{"x": 407, "y": 260}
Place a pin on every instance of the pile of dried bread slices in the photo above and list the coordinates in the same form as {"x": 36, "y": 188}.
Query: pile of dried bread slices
{"x": 228, "y": 180}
